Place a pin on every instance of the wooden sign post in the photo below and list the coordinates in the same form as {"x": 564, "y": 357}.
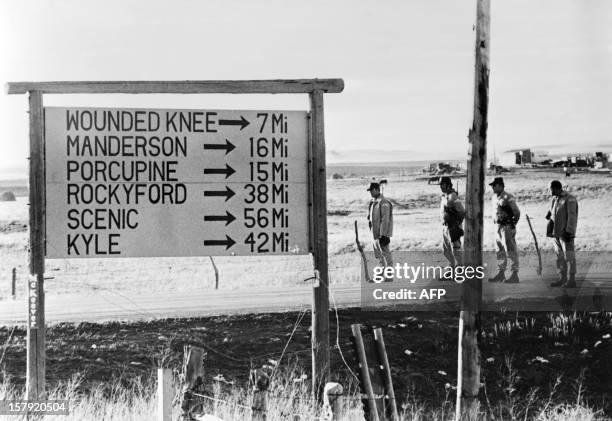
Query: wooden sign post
{"x": 35, "y": 375}
{"x": 315, "y": 201}
{"x": 320, "y": 314}
{"x": 468, "y": 364}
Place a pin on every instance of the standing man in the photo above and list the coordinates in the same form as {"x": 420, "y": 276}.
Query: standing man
{"x": 380, "y": 221}
{"x": 451, "y": 216}
{"x": 563, "y": 218}
{"x": 507, "y": 215}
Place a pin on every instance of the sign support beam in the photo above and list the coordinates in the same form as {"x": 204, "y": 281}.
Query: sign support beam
{"x": 279, "y": 86}
{"x": 35, "y": 376}
{"x": 468, "y": 361}
{"x": 320, "y": 314}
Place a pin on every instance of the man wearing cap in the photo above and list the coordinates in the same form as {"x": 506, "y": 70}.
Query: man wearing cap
{"x": 563, "y": 218}
{"x": 451, "y": 216}
{"x": 507, "y": 215}
{"x": 380, "y": 221}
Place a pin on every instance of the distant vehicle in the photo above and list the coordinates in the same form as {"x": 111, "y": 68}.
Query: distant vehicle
{"x": 443, "y": 168}
{"x": 497, "y": 169}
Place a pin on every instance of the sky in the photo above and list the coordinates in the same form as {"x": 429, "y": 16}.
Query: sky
{"x": 407, "y": 66}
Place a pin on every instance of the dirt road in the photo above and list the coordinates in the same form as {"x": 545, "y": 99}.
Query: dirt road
{"x": 530, "y": 295}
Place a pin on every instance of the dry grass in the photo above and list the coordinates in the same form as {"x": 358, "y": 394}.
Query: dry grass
{"x": 289, "y": 397}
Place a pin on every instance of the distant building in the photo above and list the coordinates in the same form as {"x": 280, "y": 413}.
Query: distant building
{"x": 602, "y": 160}
{"x": 521, "y": 157}
{"x": 597, "y": 160}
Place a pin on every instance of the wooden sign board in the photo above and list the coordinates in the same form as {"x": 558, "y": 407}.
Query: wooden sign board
{"x": 154, "y": 182}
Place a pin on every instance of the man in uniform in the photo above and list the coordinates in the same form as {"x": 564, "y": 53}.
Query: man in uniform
{"x": 451, "y": 216}
{"x": 507, "y": 215}
{"x": 563, "y": 218}
{"x": 380, "y": 221}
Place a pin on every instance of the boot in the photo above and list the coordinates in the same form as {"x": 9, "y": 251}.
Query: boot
{"x": 513, "y": 279}
{"x": 562, "y": 280}
{"x": 572, "y": 281}
{"x": 499, "y": 277}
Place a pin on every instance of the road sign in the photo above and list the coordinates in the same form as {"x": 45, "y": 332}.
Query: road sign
{"x": 153, "y": 182}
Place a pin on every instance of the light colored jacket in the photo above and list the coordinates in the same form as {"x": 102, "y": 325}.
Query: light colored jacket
{"x": 380, "y": 217}
{"x": 505, "y": 209}
{"x": 564, "y": 214}
{"x": 450, "y": 202}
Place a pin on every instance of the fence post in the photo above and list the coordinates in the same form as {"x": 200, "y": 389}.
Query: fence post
{"x": 260, "y": 398}
{"x": 384, "y": 361}
{"x": 193, "y": 371}
{"x": 13, "y": 282}
{"x": 216, "y": 272}
{"x": 366, "y": 381}
{"x": 332, "y": 405}
{"x": 164, "y": 394}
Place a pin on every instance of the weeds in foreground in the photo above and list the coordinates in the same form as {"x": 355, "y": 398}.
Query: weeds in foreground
{"x": 290, "y": 398}
{"x": 133, "y": 399}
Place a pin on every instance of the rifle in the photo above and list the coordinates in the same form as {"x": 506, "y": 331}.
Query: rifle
{"x": 364, "y": 261}
{"x": 535, "y": 240}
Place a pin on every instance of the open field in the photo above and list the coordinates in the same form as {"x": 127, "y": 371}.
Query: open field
{"x": 416, "y": 227}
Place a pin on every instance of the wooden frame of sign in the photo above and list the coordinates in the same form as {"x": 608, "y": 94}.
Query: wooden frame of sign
{"x": 35, "y": 377}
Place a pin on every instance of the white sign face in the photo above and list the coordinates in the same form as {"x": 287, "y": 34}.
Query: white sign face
{"x": 154, "y": 183}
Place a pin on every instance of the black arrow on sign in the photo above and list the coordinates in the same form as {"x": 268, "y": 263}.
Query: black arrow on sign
{"x": 228, "y": 242}
{"x": 228, "y": 218}
{"x": 228, "y": 146}
{"x": 243, "y": 122}
{"x": 228, "y": 193}
{"x": 227, "y": 171}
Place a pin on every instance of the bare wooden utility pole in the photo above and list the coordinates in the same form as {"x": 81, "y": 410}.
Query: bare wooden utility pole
{"x": 468, "y": 366}
{"x": 35, "y": 376}
{"x": 320, "y": 314}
